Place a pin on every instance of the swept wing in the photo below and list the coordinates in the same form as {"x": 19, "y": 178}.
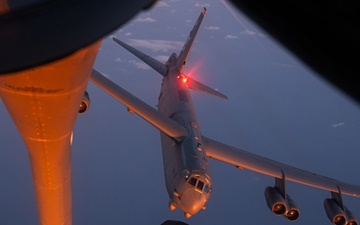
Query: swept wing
{"x": 163, "y": 123}
{"x": 246, "y": 160}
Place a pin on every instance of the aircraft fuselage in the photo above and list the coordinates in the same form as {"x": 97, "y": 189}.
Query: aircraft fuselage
{"x": 187, "y": 174}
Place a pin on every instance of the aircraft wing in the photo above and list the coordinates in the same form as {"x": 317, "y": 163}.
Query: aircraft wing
{"x": 160, "y": 121}
{"x": 246, "y": 160}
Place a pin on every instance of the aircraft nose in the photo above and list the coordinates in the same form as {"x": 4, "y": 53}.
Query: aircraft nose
{"x": 192, "y": 201}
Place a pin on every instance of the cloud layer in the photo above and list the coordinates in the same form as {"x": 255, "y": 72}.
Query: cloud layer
{"x": 229, "y": 36}
{"x": 157, "y": 45}
{"x": 145, "y": 20}
{"x": 212, "y": 28}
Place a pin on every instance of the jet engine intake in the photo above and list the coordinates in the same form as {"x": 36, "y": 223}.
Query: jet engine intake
{"x": 292, "y": 213}
{"x": 351, "y": 219}
{"x": 85, "y": 103}
{"x": 337, "y": 215}
{"x": 280, "y": 205}
{"x": 275, "y": 201}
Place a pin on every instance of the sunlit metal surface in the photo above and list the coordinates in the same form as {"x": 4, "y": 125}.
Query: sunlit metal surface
{"x": 43, "y": 103}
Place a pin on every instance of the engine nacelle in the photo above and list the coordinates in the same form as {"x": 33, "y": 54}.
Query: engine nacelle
{"x": 275, "y": 201}
{"x": 337, "y": 215}
{"x": 293, "y": 212}
{"x": 85, "y": 103}
{"x": 280, "y": 206}
{"x": 334, "y": 212}
{"x": 351, "y": 219}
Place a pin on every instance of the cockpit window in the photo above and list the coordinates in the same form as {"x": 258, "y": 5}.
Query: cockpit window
{"x": 207, "y": 188}
{"x": 200, "y": 185}
{"x": 193, "y": 181}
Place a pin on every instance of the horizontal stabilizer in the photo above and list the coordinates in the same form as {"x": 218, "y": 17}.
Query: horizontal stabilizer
{"x": 153, "y": 63}
{"x": 196, "y": 85}
{"x": 148, "y": 113}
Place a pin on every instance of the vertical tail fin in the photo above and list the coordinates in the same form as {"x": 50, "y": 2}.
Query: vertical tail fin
{"x": 181, "y": 60}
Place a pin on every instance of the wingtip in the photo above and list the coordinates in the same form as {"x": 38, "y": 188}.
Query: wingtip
{"x": 221, "y": 95}
{"x": 118, "y": 41}
{"x": 204, "y": 11}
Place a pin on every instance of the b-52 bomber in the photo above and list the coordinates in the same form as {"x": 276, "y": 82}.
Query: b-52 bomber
{"x": 185, "y": 150}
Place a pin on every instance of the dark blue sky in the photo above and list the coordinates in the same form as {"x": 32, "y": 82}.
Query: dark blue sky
{"x": 277, "y": 107}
